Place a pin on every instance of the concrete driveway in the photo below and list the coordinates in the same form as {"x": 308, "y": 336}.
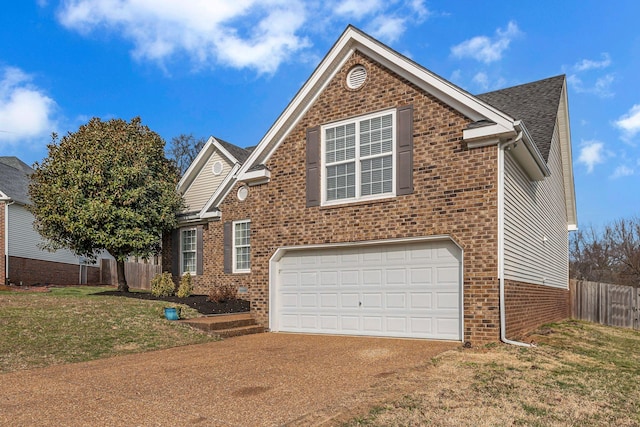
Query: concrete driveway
{"x": 256, "y": 380}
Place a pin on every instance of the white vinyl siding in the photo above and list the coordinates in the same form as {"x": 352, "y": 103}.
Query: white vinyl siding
{"x": 205, "y": 183}
{"x": 24, "y": 240}
{"x": 535, "y": 224}
{"x": 358, "y": 158}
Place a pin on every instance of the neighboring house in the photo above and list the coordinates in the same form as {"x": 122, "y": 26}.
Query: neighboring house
{"x": 387, "y": 201}
{"x": 23, "y": 260}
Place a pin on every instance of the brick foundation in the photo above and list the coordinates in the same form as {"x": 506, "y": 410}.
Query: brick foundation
{"x": 529, "y": 306}
{"x": 32, "y": 271}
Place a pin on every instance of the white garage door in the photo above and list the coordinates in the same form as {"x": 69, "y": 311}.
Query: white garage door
{"x": 394, "y": 290}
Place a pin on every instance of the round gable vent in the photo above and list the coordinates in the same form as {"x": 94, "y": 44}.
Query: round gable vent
{"x": 356, "y": 77}
{"x": 217, "y": 167}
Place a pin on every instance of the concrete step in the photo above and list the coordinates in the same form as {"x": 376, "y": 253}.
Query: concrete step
{"x": 236, "y": 332}
{"x": 226, "y": 325}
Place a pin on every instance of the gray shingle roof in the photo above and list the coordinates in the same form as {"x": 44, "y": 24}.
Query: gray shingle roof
{"x": 536, "y": 104}
{"x": 14, "y": 179}
{"x": 240, "y": 154}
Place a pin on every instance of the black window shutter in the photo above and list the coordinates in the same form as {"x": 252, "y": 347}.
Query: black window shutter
{"x": 175, "y": 252}
{"x": 313, "y": 166}
{"x": 404, "y": 149}
{"x": 228, "y": 255}
{"x": 199, "y": 247}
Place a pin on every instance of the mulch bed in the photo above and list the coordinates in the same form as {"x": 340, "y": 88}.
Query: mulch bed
{"x": 198, "y": 302}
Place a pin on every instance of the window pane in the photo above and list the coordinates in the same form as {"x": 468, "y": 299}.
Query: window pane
{"x": 189, "y": 262}
{"x": 376, "y": 176}
{"x": 340, "y": 143}
{"x": 341, "y": 181}
{"x": 376, "y": 136}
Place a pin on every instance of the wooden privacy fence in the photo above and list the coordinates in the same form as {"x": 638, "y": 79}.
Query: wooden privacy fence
{"x": 604, "y": 303}
{"x": 138, "y": 275}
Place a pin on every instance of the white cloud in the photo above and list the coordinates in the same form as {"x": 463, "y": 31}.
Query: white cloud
{"x": 251, "y": 34}
{"x": 622, "y": 171}
{"x": 630, "y": 123}
{"x": 26, "y": 112}
{"x": 601, "y": 87}
{"x": 482, "y": 80}
{"x": 387, "y": 29}
{"x": 486, "y": 49}
{"x": 589, "y": 64}
{"x": 357, "y": 8}
{"x": 239, "y": 33}
{"x": 591, "y": 154}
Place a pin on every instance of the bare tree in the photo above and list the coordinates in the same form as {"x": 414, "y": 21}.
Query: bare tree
{"x": 184, "y": 149}
{"x": 610, "y": 255}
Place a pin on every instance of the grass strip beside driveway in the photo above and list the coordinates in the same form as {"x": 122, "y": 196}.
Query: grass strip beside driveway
{"x": 72, "y": 325}
{"x": 580, "y": 374}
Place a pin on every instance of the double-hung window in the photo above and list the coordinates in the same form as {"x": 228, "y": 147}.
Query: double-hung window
{"x": 188, "y": 248}
{"x": 242, "y": 246}
{"x": 358, "y": 157}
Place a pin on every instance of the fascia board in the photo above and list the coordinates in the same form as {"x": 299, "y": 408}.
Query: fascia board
{"x": 528, "y": 155}
{"x": 4, "y": 197}
{"x": 351, "y": 40}
{"x": 221, "y": 190}
{"x": 487, "y": 132}
{"x": 224, "y": 152}
{"x": 195, "y": 166}
{"x": 567, "y": 160}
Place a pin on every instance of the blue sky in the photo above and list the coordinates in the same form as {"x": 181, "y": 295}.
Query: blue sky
{"x": 229, "y": 68}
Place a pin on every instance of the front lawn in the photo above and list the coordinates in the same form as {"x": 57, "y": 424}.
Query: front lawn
{"x": 74, "y": 325}
{"x": 580, "y": 374}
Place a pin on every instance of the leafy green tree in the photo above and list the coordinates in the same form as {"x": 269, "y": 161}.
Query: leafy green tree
{"x": 107, "y": 186}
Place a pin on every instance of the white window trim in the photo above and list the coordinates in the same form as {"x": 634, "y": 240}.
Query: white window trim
{"x": 182, "y": 230}
{"x": 358, "y": 161}
{"x": 235, "y": 268}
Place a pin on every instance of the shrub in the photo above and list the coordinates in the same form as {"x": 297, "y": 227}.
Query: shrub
{"x": 185, "y": 288}
{"x": 162, "y": 285}
{"x": 222, "y": 293}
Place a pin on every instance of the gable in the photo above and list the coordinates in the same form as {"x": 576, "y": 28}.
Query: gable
{"x": 353, "y": 40}
{"x": 14, "y": 180}
{"x": 206, "y": 181}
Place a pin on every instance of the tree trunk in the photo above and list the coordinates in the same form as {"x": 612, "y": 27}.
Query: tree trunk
{"x": 122, "y": 281}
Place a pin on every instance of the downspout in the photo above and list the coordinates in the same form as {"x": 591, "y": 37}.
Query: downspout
{"x": 502, "y": 147}
{"x": 6, "y": 238}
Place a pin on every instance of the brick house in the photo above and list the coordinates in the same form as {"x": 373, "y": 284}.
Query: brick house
{"x": 386, "y": 201}
{"x": 23, "y": 260}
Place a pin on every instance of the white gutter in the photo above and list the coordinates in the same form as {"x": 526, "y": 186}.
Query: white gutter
{"x": 503, "y": 318}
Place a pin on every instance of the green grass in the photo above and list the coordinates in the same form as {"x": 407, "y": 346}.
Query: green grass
{"x": 580, "y": 374}
{"x": 73, "y": 325}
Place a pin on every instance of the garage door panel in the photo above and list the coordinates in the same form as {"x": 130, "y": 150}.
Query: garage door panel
{"x": 422, "y": 300}
{"x": 372, "y": 324}
{"x": 401, "y": 290}
{"x": 329, "y": 300}
{"x": 349, "y": 300}
{"x": 349, "y": 323}
{"x": 447, "y": 300}
{"x": 396, "y": 301}
{"x": 421, "y": 276}
{"x": 396, "y": 276}
{"x": 372, "y": 277}
{"x": 372, "y": 300}
{"x": 396, "y": 324}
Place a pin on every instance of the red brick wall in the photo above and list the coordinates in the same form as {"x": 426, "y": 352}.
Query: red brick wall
{"x": 455, "y": 194}
{"x": 31, "y": 271}
{"x": 2, "y": 246}
{"x": 529, "y": 306}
